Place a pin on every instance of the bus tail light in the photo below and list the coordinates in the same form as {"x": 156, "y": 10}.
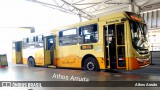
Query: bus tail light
{"x": 122, "y": 59}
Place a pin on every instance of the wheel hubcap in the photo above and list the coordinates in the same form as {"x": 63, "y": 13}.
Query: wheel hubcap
{"x": 90, "y": 66}
{"x": 30, "y": 61}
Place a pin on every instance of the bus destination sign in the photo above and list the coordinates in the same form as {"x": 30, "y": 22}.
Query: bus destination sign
{"x": 86, "y": 47}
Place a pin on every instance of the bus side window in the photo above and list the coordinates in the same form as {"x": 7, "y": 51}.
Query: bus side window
{"x": 60, "y": 38}
{"x": 39, "y": 41}
{"x": 25, "y": 42}
{"x": 31, "y": 42}
{"x": 13, "y": 45}
{"x": 36, "y": 38}
{"x": 88, "y": 34}
{"x": 68, "y": 37}
{"x": 54, "y": 42}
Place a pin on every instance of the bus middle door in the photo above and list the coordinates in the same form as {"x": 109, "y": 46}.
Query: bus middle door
{"x": 115, "y": 48}
{"x": 49, "y": 49}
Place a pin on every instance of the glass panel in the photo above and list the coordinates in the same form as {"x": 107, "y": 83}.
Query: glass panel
{"x": 88, "y": 34}
{"x": 112, "y": 46}
{"x": 13, "y": 46}
{"x": 120, "y": 34}
{"x": 138, "y": 33}
{"x": 31, "y": 42}
{"x": 18, "y": 46}
{"x": 107, "y": 57}
{"x": 121, "y": 57}
{"x": 39, "y": 41}
{"x": 68, "y": 37}
{"x": 69, "y": 32}
{"x": 25, "y": 43}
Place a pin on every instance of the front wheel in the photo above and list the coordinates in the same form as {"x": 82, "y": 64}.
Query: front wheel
{"x": 31, "y": 62}
{"x": 91, "y": 64}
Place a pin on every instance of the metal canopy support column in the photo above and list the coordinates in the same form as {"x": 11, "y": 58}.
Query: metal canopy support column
{"x": 80, "y": 18}
{"x": 131, "y": 7}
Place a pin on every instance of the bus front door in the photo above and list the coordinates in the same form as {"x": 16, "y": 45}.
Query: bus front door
{"x": 49, "y": 49}
{"x": 120, "y": 46}
{"x": 115, "y": 48}
{"x": 17, "y": 52}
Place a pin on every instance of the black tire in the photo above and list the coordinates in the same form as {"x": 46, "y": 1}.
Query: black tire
{"x": 91, "y": 64}
{"x": 31, "y": 62}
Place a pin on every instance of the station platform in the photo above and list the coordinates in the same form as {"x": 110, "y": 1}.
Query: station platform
{"x": 18, "y": 72}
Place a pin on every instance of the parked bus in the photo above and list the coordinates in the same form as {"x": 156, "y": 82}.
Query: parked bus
{"x": 34, "y": 50}
{"x": 3, "y": 60}
{"x": 116, "y": 41}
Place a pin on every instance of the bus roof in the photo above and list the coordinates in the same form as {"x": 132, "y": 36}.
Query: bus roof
{"x": 123, "y": 14}
{"x": 119, "y": 14}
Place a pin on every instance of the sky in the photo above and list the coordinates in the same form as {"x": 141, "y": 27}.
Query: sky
{"x": 23, "y": 13}
{"x": 17, "y": 13}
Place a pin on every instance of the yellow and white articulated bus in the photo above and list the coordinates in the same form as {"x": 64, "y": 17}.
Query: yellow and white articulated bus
{"x": 116, "y": 41}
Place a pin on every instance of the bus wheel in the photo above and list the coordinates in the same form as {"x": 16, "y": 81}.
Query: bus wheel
{"x": 91, "y": 64}
{"x": 31, "y": 62}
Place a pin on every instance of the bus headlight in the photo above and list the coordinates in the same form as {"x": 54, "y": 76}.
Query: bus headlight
{"x": 142, "y": 59}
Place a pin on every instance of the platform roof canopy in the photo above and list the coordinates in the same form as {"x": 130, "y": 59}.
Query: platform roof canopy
{"x": 94, "y": 8}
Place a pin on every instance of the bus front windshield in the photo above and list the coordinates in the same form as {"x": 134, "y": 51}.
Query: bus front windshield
{"x": 138, "y": 34}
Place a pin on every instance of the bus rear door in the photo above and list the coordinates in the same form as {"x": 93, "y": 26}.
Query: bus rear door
{"x": 115, "y": 46}
{"x": 49, "y": 49}
{"x": 17, "y": 52}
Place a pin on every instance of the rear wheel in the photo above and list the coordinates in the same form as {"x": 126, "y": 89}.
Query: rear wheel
{"x": 91, "y": 64}
{"x": 31, "y": 62}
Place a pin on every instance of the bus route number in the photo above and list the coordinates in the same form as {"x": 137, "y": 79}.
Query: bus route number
{"x": 86, "y": 47}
